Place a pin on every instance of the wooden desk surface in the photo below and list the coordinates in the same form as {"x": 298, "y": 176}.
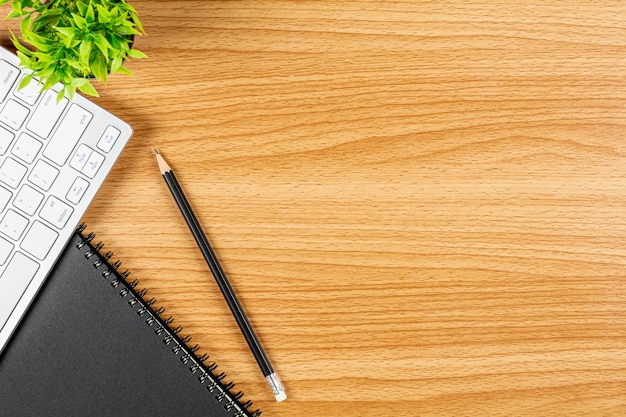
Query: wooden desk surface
{"x": 421, "y": 205}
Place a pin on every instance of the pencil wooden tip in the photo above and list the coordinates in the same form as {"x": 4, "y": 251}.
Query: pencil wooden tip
{"x": 163, "y": 166}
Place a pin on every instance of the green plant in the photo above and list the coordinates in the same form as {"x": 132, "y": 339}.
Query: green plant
{"x": 74, "y": 41}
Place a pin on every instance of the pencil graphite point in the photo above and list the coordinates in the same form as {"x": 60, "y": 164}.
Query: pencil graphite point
{"x": 163, "y": 166}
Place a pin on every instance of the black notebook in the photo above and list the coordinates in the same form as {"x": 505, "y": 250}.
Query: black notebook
{"x": 92, "y": 346}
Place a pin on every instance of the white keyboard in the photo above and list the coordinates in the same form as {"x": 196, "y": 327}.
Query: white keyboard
{"x": 53, "y": 159}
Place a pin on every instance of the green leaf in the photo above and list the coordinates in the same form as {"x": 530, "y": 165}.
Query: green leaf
{"x": 75, "y": 65}
{"x": 68, "y": 32}
{"x": 103, "y": 14}
{"x": 37, "y": 41}
{"x": 51, "y": 80}
{"x": 43, "y": 20}
{"x": 68, "y": 42}
{"x": 61, "y": 94}
{"x": 82, "y": 7}
{"x": 84, "y": 52}
{"x": 134, "y": 53}
{"x": 49, "y": 76}
{"x": 123, "y": 70}
{"x": 138, "y": 23}
{"x": 16, "y": 42}
{"x": 115, "y": 42}
{"x": 80, "y": 21}
{"x": 102, "y": 44}
{"x": 127, "y": 30}
{"x": 116, "y": 63}
{"x": 90, "y": 15}
{"x": 129, "y": 8}
{"x": 78, "y": 82}
{"x": 25, "y": 24}
{"x": 25, "y": 81}
{"x": 43, "y": 57}
{"x": 24, "y": 60}
{"x": 14, "y": 14}
{"x": 99, "y": 69}
{"x": 17, "y": 7}
{"x": 89, "y": 89}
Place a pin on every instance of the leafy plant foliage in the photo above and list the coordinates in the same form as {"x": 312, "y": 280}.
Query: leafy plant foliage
{"x": 74, "y": 41}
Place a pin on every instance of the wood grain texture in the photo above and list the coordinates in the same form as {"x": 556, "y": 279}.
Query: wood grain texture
{"x": 420, "y": 204}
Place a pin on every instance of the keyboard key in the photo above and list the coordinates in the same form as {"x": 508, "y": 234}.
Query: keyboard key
{"x": 46, "y": 114}
{"x": 8, "y": 75}
{"x": 28, "y": 200}
{"x": 6, "y": 137}
{"x": 5, "y": 196}
{"x": 30, "y": 93}
{"x": 108, "y": 139}
{"x": 43, "y": 175}
{"x": 38, "y": 240}
{"x": 26, "y": 148}
{"x": 13, "y": 114}
{"x": 13, "y": 224}
{"x": 67, "y": 134}
{"x": 93, "y": 165}
{"x": 6, "y": 248}
{"x": 77, "y": 190}
{"x": 13, "y": 282}
{"x": 80, "y": 157}
{"x": 56, "y": 212}
{"x": 12, "y": 172}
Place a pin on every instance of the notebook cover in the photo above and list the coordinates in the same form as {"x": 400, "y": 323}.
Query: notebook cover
{"x": 92, "y": 346}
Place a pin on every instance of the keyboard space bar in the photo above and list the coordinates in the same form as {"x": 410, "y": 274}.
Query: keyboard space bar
{"x": 67, "y": 134}
{"x": 13, "y": 283}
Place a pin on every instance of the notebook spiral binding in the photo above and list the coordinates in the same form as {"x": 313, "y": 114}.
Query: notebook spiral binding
{"x": 162, "y": 327}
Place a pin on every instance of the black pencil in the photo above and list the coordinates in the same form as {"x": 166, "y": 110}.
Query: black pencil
{"x": 222, "y": 280}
